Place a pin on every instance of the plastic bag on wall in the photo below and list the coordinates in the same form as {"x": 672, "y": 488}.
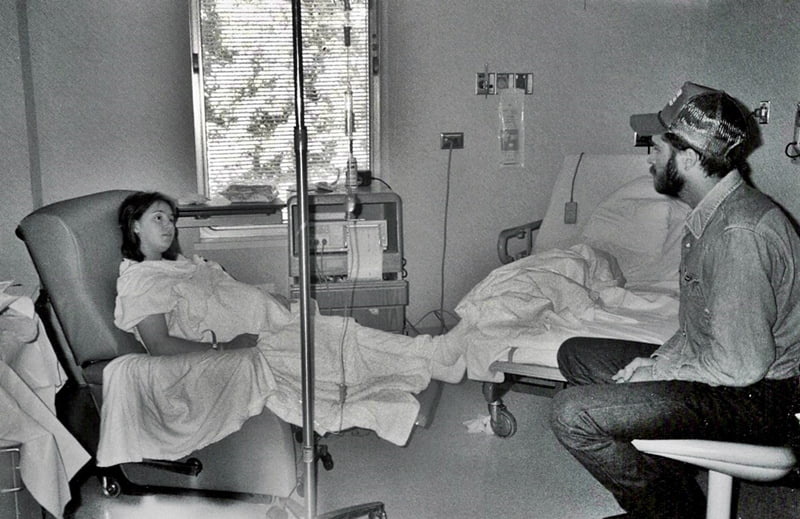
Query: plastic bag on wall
{"x": 512, "y": 127}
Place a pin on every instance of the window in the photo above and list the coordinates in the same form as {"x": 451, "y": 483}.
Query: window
{"x": 244, "y": 90}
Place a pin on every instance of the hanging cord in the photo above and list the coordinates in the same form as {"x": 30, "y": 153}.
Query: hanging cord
{"x": 352, "y": 242}
{"x": 349, "y": 303}
{"x": 440, "y": 314}
{"x": 574, "y": 176}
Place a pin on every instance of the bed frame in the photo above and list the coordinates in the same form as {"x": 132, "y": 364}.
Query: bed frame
{"x": 586, "y": 180}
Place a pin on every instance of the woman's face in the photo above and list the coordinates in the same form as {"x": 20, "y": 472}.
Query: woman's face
{"x": 156, "y": 230}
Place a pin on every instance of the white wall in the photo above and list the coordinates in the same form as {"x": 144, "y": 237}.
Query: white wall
{"x": 113, "y": 105}
{"x": 17, "y": 197}
{"x": 757, "y": 58}
{"x": 592, "y": 68}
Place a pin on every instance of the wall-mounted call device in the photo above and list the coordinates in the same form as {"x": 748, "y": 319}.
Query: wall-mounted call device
{"x": 793, "y": 148}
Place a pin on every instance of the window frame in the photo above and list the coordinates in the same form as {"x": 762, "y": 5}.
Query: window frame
{"x": 198, "y": 97}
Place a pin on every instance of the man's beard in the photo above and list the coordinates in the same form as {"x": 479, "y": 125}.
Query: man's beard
{"x": 669, "y": 182}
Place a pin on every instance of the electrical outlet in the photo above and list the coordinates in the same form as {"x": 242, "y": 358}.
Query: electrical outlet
{"x": 451, "y": 140}
{"x": 484, "y": 83}
{"x": 762, "y": 112}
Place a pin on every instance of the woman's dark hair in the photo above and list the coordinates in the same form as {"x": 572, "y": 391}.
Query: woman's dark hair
{"x": 131, "y": 210}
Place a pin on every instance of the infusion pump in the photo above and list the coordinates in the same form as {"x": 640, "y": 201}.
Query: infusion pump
{"x": 335, "y": 235}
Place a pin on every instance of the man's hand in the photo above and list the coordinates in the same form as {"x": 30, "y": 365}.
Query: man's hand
{"x": 639, "y": 370}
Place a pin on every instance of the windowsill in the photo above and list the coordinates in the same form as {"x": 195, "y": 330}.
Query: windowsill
{"x": 242, "y": 237}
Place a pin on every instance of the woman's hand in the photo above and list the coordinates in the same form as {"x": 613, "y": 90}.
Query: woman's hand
{"x": 245, "y": 340}
{"x": 640, "y": 369}
{"x": 282, "y": 300}
{"x": 155, "y": 335}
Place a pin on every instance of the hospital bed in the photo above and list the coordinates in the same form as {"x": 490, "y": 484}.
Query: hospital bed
{"x": 619, "y": 213}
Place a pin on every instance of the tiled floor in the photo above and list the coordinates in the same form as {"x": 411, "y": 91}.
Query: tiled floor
{"x": 443, "y": 472}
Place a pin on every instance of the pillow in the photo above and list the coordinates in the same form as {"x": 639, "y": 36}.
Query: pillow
{"x": 642, "y": 229}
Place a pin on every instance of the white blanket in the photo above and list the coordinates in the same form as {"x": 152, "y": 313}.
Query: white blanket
{"x": 167, "y": 407}
{"x": 532, "y": 305}
{"x": 30, "y": 376}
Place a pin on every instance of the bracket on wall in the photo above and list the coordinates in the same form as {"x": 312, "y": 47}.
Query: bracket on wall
{"x": 490, "y": 83}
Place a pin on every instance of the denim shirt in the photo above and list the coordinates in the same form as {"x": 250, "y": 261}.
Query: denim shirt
{"x": 739, "y": 292}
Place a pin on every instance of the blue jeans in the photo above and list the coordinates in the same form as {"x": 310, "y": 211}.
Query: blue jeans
{"x": 595, "y": 419}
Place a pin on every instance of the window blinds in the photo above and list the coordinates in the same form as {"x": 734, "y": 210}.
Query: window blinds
{"x": 248, "y": 90}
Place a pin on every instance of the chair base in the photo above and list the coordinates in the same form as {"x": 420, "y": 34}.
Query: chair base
{"x": 724, "y": 461}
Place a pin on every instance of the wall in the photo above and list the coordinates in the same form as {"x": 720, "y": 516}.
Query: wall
{"x": 17, "y": 197}
{"x": 757, "y": 58}
{"x": 111, "y": 86}
{"x": 112, "y": 94}
{"x": 594, "y": 63}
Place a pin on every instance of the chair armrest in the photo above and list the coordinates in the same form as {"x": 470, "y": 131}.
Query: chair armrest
{"x": 520, "y": 232}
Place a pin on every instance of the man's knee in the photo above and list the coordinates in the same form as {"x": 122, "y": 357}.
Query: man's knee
{"x": 568, "y": 350}
{"x": 567, "y": 412}
{"x": 570, "y": 353}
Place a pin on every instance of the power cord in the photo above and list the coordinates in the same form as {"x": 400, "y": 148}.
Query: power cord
{"x": 571, "y": 207}
{"x": 440, "y": 312}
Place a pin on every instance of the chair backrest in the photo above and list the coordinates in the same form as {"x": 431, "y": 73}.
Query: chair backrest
{"x": 75, "y": 248}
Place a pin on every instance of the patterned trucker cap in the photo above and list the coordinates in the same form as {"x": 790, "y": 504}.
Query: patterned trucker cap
{"x": 709, "y": 120}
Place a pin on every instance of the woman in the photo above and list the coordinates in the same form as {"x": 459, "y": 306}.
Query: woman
{"x": 364, "y": 377}
{"x": 147, "y": 221}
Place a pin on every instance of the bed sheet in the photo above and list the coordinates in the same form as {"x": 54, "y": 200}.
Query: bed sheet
{"x": 523, "y": 311}
{"x": 30, "y": 376}
{"x": 540, "y": 350}
{"x": 613, "y": 273}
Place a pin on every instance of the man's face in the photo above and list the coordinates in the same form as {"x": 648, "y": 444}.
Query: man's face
{"x": 667, "y": 180}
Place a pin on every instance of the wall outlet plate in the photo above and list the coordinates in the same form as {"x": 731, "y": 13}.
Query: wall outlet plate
{"x": 451, "y": 140}
{"x": 762, "y": 112}
{"x": 485, "y": 83}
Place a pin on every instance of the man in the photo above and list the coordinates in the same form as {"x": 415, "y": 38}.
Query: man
{"x": 731, "y": 370}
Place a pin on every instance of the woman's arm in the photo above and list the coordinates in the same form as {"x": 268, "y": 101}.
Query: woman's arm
{"x": 155, "y": 335}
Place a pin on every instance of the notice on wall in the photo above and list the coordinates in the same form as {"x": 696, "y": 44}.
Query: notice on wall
{"x": 511, "y": 135}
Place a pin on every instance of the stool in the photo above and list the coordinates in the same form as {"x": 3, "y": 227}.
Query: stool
{"x": 724, "y": 461}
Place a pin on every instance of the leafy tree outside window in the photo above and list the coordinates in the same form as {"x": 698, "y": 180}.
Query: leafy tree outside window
{"x": 244, "y": 90}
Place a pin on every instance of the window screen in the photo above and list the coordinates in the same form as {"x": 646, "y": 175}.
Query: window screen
{"x": 244, "y": 90}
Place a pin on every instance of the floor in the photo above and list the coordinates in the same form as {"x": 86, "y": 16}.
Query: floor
{"x": 445, "y": 471}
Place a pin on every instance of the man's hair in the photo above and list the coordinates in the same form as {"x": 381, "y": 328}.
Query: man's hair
{"x": 131, "y": 210}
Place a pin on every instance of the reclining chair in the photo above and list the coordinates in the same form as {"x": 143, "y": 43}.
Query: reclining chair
{"x": 75, "y": 247}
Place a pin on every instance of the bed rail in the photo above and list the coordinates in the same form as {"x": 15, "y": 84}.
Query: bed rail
{"x": 520, "y": 232}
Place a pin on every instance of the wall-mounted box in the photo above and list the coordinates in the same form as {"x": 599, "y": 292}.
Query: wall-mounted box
{"x": 491, "y": 83}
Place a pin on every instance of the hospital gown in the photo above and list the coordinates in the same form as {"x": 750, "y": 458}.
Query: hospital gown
{"x": 364, "y": 377}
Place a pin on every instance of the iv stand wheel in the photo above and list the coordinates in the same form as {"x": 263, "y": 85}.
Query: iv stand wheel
{"x": 111, "y": 486}
{"x": 502, "y": 421}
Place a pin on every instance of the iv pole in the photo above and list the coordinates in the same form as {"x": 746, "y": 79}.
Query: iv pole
{"x": 306, "y": 335}
{"x": 375, "y": 509}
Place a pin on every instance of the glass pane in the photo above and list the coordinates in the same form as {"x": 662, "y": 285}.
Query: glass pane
{"x": 248, "y": 86}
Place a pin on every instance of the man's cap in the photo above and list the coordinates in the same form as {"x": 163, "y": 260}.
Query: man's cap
{"x": 701, "y": 116}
